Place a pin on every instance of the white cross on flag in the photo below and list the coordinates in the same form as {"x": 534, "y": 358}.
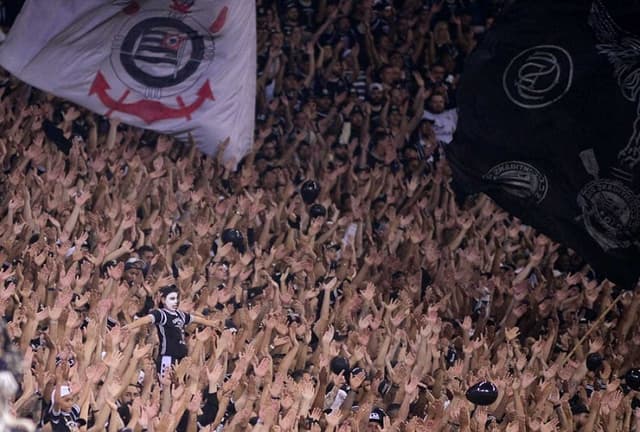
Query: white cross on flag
{"x": 175, "y": 66}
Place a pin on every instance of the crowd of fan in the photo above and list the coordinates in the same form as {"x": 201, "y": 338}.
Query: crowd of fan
{"x": 333, "y": 281}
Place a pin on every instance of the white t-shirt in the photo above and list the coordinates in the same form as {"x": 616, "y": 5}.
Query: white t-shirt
{"x": 444, "y": 124}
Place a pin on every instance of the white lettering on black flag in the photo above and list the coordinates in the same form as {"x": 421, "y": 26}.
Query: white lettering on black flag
{"x": 175, "y": 66}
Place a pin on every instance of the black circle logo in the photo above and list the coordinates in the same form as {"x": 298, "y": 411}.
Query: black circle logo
{"x": 161, "y": 52}
{"x": 610, "y": 212}
{"x": 519, "y": 179}
{"x": 538, "y": 76}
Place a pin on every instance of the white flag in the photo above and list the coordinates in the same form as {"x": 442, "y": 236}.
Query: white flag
{"x": 174, "y": 66}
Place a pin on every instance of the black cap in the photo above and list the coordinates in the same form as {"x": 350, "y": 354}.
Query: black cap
{"x": 632, "y": 378}
{"x": 339, "y": 364}
{"x": 577, "y": 406}
{"x": 323, "y": 92}
{"x": 594, "y": 362}
{"x": 230, "y": 325}
{"x": 377, "y": 415}
{"x": 482, "y": 393}
{"x": 235, "y": 237}
{"x": 310, "y": 190}
{"x": 134, "y": 263}
{"x": 317, "y": 210}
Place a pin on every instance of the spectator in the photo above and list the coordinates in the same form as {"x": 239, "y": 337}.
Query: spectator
{"x": 444, "y": 120}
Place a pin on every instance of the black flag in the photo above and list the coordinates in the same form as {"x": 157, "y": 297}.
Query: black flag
{"x": 549, "y": 126}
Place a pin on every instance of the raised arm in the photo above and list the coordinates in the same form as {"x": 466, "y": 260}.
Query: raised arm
{"x": 139, "y": 323}
{"x": 203, "y": 321}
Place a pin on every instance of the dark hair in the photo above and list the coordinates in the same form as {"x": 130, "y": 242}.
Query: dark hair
{"x": 58, "y": 113}
{"x": 145, "y": 248}
{"x": 165, "y": 291}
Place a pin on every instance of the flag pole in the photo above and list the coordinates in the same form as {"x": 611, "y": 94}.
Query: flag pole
{"x": 595, "y": 325}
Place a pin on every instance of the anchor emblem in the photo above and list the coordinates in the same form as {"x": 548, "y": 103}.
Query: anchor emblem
{"x": 149, "y": 111}
{"x": 162, "y": 57}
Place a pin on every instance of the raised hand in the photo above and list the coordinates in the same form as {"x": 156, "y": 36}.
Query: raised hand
{"x": 333, "y": 418}
{"x": 215, "y": 373}
{"x": 262, "y": 368}
{"x": 512, "y": 333}
{"x": 141, "y": 351}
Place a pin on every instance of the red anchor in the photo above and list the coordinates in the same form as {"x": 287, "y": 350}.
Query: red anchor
{"x": 149, "y": 111}
{"x": 220, "y": 20}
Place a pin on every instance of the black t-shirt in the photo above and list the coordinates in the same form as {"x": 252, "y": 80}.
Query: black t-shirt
{"x": 56, "y": 135}
{"x": 62, "y": 421}
{"x": 308, "y": 10}
{"x": 170, "y": 327}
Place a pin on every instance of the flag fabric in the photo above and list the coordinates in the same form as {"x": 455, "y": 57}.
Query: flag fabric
{"x": 549, "y": 127}
{"x": 181, "y": 67}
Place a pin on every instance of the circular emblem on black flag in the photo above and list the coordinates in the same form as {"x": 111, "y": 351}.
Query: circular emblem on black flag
{"x": 538, "y": 76}
{"x": 611, "y": 213}
{"x": 159, "y": 54}
{"x": 520, "y": 180}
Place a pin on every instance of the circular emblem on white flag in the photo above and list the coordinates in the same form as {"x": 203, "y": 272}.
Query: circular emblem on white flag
{"x": 611, "y": 213}
{"x": 159, "y": 54}
{"x": 538, "y": 76}
{"x": 520, "y": 180}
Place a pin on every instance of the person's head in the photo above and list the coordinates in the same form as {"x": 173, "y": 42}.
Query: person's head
{"x": 395, "y": 116}
{"x": 296, "y": 35}
{"x": 376, "y": 94}
{"x": 385, "y": 9}
{"x": 381, "y": 138}
{"x": 337, "y": 69}
{"x": 387, "y": 74}
{"x": 437, "y": 72}
{"x": 356, "y": 118}
{"x": 290, "y": 83}
{"x": 134, "y": 271}
{"x": 343, "y": 24}
{"x": 65, "y": 400}
{"x": 66, "y": 112}
{"x": 411, "y": 159}
{"x": 436, "y": 104}
{"x": 130, "y": 394}
{"x": 426, "y": 127}
{"x": 376, "y": 420}
{"x": 441, "y": 32}
{"x": 269, "y": 178}
{"x": 219, "y": 270}
{"x": 270, "y": 147}
{"x": 304, "y": 151}
{"x": 146, "y": 253}
{"x": 170, "y": 297}
{"x": 339, "y": 370}
{"x": 276, "y": 39}
{"x": 300, "y": 120}
{"x": 293, "y": 14}
{"x": 398, "y": 94}
{"x": 396, "y": 60}
{"x": 331, "y": 252}
{"x": 363, "y": 174}
{"x": 323, "y": 100}
{"x": 341, "y": 152}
